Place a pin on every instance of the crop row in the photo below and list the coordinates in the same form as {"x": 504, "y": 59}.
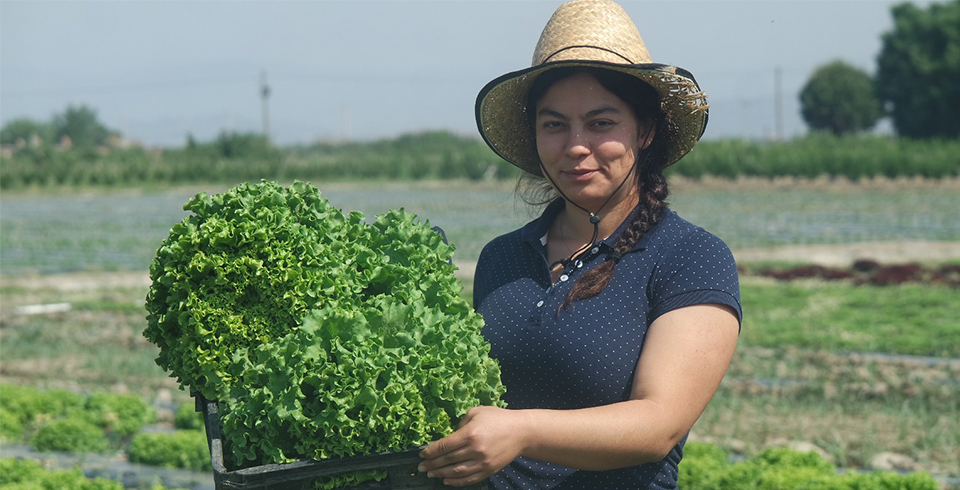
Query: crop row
{"x": 441, "y": 155}
{"x": 22, "y": 474}
{"x": 60, "y": 420}
{"x": 65, "y": 421}
{"x": 707, "y": 467}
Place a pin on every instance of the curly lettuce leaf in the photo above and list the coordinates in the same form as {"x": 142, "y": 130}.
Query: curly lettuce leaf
{"x": 321, "y": 335}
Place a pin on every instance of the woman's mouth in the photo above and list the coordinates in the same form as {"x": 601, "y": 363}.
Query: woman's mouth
{"x": 579, "y": 174}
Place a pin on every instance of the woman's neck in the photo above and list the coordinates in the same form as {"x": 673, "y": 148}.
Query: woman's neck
{"x": 576, "y": 224}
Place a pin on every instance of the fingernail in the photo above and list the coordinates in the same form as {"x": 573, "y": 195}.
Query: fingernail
{"x": 430, "y": 474}
{"x": 421, "y": 468}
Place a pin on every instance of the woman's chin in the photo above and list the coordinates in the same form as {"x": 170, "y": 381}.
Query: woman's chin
{"x": 592, "y": 198}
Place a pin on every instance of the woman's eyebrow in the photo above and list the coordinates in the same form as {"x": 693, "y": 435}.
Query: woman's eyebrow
{"x": 593, "y": 113}
{"x": 550, "y": 112}
{"x": 602, "y": 110}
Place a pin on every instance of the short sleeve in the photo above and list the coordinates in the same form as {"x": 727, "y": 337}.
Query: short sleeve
{"x": 700, "y": 269}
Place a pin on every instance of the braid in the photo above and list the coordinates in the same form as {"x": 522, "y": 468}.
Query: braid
{"x": 653, "y": 195}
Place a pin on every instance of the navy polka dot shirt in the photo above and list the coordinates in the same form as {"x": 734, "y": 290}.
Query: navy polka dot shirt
{"x": 586, "y": 354}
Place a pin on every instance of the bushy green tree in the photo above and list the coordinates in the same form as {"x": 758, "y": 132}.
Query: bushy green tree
{"x": 919, "y": 68}
{"x": 25, "y": 130}
{"x": 81, "y": 125}
{"x": 231, "y": 144}
{"x": 840, "y": 98}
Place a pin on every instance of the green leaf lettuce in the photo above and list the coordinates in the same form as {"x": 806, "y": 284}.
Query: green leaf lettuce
{"x": 321, "y": 335}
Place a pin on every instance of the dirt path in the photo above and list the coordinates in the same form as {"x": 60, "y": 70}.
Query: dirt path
{"x": 841, "y": 255}
{"x": 826, "y": 255}
{"x": 846, "y": 254}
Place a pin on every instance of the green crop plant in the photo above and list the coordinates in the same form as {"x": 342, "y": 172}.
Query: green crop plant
{"x": 30, "y": 407}
{"x": 23, "y": 474}
{"x": 706, "y": 467}
{"x": 118, "y": 414}
{"x": 187, "y": 417}
{"x": 320, "y": 335}
{"x": 11, "y": 428}
{"x": 73, "y": 434}
{"x": 180, "y": 449}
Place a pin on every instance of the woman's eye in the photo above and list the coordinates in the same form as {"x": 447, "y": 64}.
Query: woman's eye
{"x": 602, "y": 123}
{"x": 552, "y": 124}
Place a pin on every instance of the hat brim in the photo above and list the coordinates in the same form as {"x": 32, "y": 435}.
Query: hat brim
{"x": 505, "y": 126}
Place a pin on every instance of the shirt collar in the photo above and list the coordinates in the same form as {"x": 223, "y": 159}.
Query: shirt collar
{"x": 536, "y": 229}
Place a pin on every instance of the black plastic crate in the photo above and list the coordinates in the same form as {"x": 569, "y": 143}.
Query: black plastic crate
{"x": 299, "y": 475}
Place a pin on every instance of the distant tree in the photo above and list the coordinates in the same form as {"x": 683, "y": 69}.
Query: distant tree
{"x": 26, "y": 130}
{"x": 918, "y": 75}
{"x": 231, "y": 144}
{"x": 840, "y": 98}
{"x": 81, "y": 125}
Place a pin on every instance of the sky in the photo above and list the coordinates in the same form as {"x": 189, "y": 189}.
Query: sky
{"x": 157, "y": 71}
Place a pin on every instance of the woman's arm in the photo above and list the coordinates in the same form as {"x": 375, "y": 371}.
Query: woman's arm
{"x": 684, "y": 357}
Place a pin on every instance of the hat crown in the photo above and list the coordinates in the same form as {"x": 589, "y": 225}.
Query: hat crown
{"x": 591, "y": 30}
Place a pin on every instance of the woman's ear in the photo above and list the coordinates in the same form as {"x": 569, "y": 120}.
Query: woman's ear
{"x": 646, "y": 131}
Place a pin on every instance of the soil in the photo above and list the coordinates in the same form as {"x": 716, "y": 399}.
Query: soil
{"x": 840, "y": 255}
{"x": 844, "y": 255}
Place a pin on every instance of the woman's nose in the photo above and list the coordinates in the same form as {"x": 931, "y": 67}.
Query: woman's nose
{"x": 577, "y": 144}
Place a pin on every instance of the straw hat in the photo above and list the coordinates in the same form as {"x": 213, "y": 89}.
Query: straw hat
{"x": 594, "y": 33}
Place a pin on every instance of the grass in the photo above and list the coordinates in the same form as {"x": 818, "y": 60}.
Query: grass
{"x": 909, "y": 319}
{"x": 96, "y": 345}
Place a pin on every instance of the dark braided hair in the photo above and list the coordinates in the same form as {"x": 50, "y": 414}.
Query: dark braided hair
{"x": 645, "y": 102}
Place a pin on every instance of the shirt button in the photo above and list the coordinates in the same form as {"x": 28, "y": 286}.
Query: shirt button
{"x": 540, "y": 304}
{"x": 579, "y": 264}
{"x": 564, "y": 277}
{"x": 594, "y": 250}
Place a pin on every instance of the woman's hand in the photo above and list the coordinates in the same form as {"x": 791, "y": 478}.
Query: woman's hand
{"x": 488, "y": 439}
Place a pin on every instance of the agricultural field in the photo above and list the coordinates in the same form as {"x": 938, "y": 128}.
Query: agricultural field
{"x": 120, "y": 230}
{"x": 866, "y": 375}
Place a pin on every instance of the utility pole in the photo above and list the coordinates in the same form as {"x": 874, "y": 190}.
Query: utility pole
{"x": 778, "y": 104}
{"x": 264, "y": 95}
{"x": 346, "y": 122}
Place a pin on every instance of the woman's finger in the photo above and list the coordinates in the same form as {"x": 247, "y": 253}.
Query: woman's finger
{"x": 467, "y": 417}
{"x": 460, "y": 474}
{"x": 463, "y": 482}
{"x": 443, "y": 446}
{"x": 460, "y": 455}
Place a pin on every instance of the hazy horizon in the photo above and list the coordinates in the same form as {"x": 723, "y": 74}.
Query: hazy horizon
{"x": 158, "y": 71}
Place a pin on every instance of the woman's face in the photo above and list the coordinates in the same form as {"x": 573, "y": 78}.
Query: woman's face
{"x": 588, "y": 140}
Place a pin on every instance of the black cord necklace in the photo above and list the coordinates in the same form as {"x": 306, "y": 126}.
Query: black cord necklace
{"x": 594, "y": 216}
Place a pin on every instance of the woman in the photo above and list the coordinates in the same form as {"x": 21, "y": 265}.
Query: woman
{"x": 613, "y": 319}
